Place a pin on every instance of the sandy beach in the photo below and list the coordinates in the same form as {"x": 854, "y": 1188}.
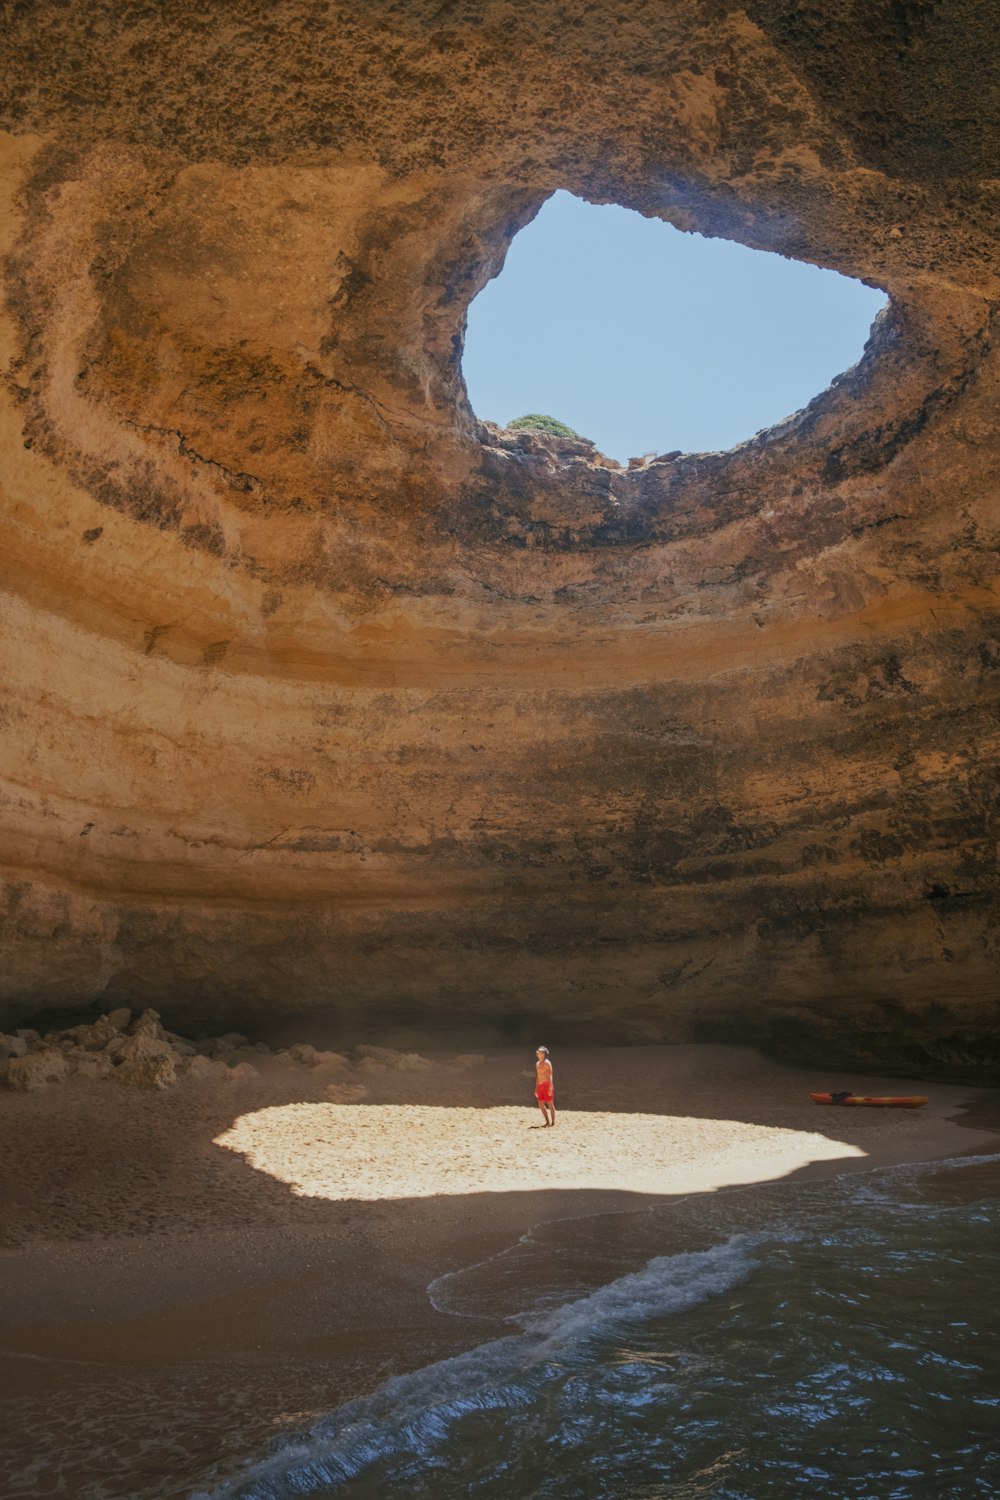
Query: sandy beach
{"x": 187, "y": 1274}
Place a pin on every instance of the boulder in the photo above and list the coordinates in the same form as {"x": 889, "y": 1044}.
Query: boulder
{"x": 36, "y": 1070}
{"x": 242, "y": 1054}
{"x": 92, "y": 1065}
{"x": 233, "y": 1039}
{"x": 12, "y": 1046}
{"x": 216, "y": 1046}
{"x": 199, "y": 1066}
{"x": 388, "y": 1057}
{"x": 331, "y": 1063}
{"x": 148, "y": 1024}
{"x": 346, "y": 1093}
{"x": 80, "y": 1036}
{"x": 243, "y": 1072}
{"x": 468, "y": 1060}
{"x": 144, "y": 1044}
{"x": 116, "y": 1047}
{"x": 302, "y": 1052}
{"x": 157, "y": 1072}
{"x": 182, "y": 1047}
{"x": 119, "y": 1018}
{"x": 147, "y": 1063}
{"x": 93, "y": 1037}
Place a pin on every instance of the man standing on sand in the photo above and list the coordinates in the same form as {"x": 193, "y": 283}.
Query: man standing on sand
{"x": 544, "y": 1091}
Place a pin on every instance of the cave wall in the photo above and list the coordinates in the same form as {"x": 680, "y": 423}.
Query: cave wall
{"x": 322, "y": 699}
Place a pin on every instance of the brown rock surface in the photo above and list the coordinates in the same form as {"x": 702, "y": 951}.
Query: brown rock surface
{"x": 319, "y": 697}
{"x": 146, "y": 1063}
{"x": 35, "y": 1071}
{"x": 93, "y": 1065}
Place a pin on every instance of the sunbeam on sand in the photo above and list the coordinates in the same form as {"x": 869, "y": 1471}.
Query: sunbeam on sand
{"x": 367, "y": 1151}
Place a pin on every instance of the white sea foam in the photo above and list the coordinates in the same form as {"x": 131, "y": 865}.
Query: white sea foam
{"x": 411, "y": 1414}
{"x": 665, "y": 1285}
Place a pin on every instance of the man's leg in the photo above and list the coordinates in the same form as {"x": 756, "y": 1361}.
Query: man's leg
{"x": 543, "y": 1108}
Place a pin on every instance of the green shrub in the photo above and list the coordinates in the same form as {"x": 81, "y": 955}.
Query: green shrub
{"x": 535, "y": 422}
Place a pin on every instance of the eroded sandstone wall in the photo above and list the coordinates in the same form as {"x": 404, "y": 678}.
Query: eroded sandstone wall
{"x": 319, "y": 698}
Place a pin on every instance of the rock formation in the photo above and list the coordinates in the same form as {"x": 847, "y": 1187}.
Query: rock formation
{"x": 141, "y": 1054}
{"x": 321, "y": 698}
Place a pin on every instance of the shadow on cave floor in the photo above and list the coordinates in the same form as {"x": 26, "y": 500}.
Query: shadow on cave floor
{"x": 168, "y": 1306}
{"x": 89, "y": 1159}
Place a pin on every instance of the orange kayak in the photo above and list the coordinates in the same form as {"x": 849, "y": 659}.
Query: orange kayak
{"x": 901, "y": 1101}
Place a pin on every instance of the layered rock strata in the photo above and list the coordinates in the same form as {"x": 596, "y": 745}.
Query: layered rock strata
{"x": 322, "y": 698}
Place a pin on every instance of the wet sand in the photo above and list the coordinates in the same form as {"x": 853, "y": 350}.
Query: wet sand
{"x": 190, "y": 1273}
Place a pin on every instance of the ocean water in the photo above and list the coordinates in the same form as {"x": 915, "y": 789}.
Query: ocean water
{"x": 837, "y": 1339}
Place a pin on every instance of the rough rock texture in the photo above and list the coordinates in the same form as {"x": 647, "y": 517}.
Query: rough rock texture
{"x": 319, "y": 697}
{"x": 35, "y": 1071}
{"x": 140, "y": 1055}
{"x": 146, "y": 1063}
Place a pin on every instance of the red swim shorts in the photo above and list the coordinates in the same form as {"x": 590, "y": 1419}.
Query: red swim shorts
{"x": 544, "y": 1093}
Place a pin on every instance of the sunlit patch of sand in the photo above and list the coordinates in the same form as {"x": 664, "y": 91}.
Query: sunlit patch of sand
{"x": 369, "y": 1152}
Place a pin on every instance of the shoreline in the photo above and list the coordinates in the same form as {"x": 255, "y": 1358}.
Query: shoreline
{"x": 222, "y": 1301}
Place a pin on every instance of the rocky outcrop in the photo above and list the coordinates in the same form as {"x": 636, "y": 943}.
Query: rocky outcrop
{"x": 321, "y": 698}
{"x": 140, "y": 1054}
{"x": 146, "y": 1063}
{"x": 36, "y": 1070}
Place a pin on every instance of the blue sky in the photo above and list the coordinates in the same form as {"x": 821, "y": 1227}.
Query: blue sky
{"x": 643, "y": 338}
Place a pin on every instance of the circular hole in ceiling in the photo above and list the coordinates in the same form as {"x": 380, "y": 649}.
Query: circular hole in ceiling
{"x": 645, "y": 339}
